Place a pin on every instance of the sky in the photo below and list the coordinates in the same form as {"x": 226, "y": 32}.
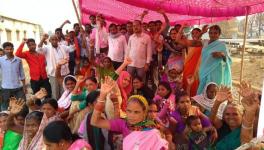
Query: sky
{"x": 50, "y": 14}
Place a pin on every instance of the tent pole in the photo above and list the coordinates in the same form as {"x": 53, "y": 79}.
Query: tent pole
{"x": 243, "y": 52}
{"x": 76, "y": 12}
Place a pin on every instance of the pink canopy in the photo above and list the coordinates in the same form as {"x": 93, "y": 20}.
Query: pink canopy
{"x": 206, "y": 8}
{"x": 119, "y": 12}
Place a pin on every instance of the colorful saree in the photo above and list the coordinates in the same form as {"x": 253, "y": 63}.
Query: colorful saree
{"x": 230, "y": 141}
{"x": 217, "y": 70}
{"x": 11, "y": 140}
{"x": 191, "y": 68}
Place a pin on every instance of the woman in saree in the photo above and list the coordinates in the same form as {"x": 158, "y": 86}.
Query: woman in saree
{"x": 236, "y": 127}
{"x": 192, "y": 57}
{"x": 49, "y": 108}
{"x": 216, "y": 61}
{"x": 136, "y": 110}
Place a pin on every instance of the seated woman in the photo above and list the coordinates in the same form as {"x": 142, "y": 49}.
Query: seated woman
{"x": 236, "y": 127}
{"x": 15, "y": 124}
{"x": 206, "y": 100}
{"x": 57, "y": 135}
{"x": 32, "y": 123}
{"x": 69, "y": 83}
{"x": 50, "y": 109}
{"x": 136, "y": 111}
{"x": 141, "y": 89}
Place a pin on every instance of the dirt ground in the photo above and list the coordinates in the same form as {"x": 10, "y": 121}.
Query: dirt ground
{"x": 253, "y": 69}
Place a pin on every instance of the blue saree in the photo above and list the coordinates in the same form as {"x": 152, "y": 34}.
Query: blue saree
{"x": 217, "y": 70}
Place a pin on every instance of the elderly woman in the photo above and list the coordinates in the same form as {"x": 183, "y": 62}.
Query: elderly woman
{"x": 236, "y": 127}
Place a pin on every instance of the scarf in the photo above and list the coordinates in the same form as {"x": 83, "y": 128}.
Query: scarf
{"x": 142, "y": 126}
{"x": 37, "y": 141}
{"x": 124, "y": 91}
{"x": 65, "y": 100}
{"x": 208, "y": 103}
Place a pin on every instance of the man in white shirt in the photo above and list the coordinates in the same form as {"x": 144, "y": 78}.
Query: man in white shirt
{"x": 139, "y": 50}
{"x": 55, "y": 54}
{"x": 117, "y": 46}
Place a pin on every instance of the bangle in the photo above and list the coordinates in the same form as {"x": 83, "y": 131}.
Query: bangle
{"x": 248, "y": 128}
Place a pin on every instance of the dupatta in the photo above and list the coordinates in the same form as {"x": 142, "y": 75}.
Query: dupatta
{"x": 212, "y": 69}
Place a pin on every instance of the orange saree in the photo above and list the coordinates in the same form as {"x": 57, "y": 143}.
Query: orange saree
{"x": 191, "y": 68}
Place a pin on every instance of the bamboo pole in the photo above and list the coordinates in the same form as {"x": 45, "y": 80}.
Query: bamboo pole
{"x": 76, "y": 12}
{"x": 243, "y": 51}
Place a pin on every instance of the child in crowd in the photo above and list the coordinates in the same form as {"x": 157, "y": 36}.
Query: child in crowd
{"x": 199, "y": 137}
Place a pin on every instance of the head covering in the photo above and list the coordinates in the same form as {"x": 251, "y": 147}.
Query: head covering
{"x": 125, "y": 91}
{"x": 91, "y": 97}
{"x": 79, "y": 144}
{"x": 65, "y": 99}
{"x": 208, "y": 103}
{"x": 141, "y": 98}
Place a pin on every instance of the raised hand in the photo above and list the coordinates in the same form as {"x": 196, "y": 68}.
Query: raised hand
{"x": 205, "y": 28}
{"x": 41, "y": 93}
{"x": 245, "y": 89}
{"x": 67, "y": 21}
{"x": 107, "y": 85}
{"x": 16, "y": 105}
{"x": 45, "y": 37}
{"x": 224, "y": 94}
{"x": 25, "y": 40}
{"x": 80, "y": 79}
{"x": 251, "y": 102}
{"x": 161, "y": 11}
{"x": 145, "y": 12}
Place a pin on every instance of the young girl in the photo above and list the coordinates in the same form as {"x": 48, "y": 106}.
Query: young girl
{"x": 139, "y": 88}
{"x": 49, "y": 108}
{"x": 57, "y": 135}
{"x": 136, "y": 111}
{"x": 32, "y": 123}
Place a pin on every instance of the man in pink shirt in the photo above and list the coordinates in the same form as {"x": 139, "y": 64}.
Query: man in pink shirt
{"x": 139, "y": 50}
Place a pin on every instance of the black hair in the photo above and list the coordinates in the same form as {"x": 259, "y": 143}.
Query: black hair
{"x": 151, "y": 22}
{"x": 92, "y": 96}
{"x": 88, "y": 24}
{"x": 23, "y": 113}
{"x": 154, "y": 103}
{"x": 93, "y": 79}
{"x": 112, "y": 25}
{"x": 52, "y": 102}
{"x": 36, "y": 115}
{"x": 190, "y": 119}
{"x": 179, "y": 94}
{"x": 210, "y": 86}
{"x": 69, "y": 78}
{"x": 8, "y": 44}
{"x": 1, "y": 49}
{"x": 129, "y": 22}
{"x": 56, "y": 131}
{"x": 58, "y": 30}
{"x": 158, "y": 21}
{"x": 76, "y": 24}
{"x": 138, "y": 78}
{"x": 177, "y": 25}
{"x": 92, "y": 16}
{"x": 30, "y": 40}
{"x": 197, "y": 29}
{"x": 217, "y": 28}
{"x": 167, "y": 86}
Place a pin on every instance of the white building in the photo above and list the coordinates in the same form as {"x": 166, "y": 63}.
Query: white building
{"x": 14, "y": 30}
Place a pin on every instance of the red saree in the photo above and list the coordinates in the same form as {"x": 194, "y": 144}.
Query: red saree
{"x": 191, "y": 68}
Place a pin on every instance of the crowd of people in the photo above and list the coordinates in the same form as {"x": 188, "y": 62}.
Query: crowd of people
{"x": 133, "y": 86}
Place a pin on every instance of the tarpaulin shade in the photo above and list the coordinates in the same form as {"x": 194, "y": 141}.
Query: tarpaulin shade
{"x": 119, "y": 12}
{"x": 206, "y": 8}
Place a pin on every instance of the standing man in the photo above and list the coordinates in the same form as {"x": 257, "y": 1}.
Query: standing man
{"x": 12, "y": 76}
{"x": 139, "y": 50}
{"x": 55, "y": 54}
{"x": 37, "y": 66}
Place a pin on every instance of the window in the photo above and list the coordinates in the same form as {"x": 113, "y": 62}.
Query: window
{"x": 8, "y": 35}
{"x": 25, "y": 34}
{"x": 17, "y": 35}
